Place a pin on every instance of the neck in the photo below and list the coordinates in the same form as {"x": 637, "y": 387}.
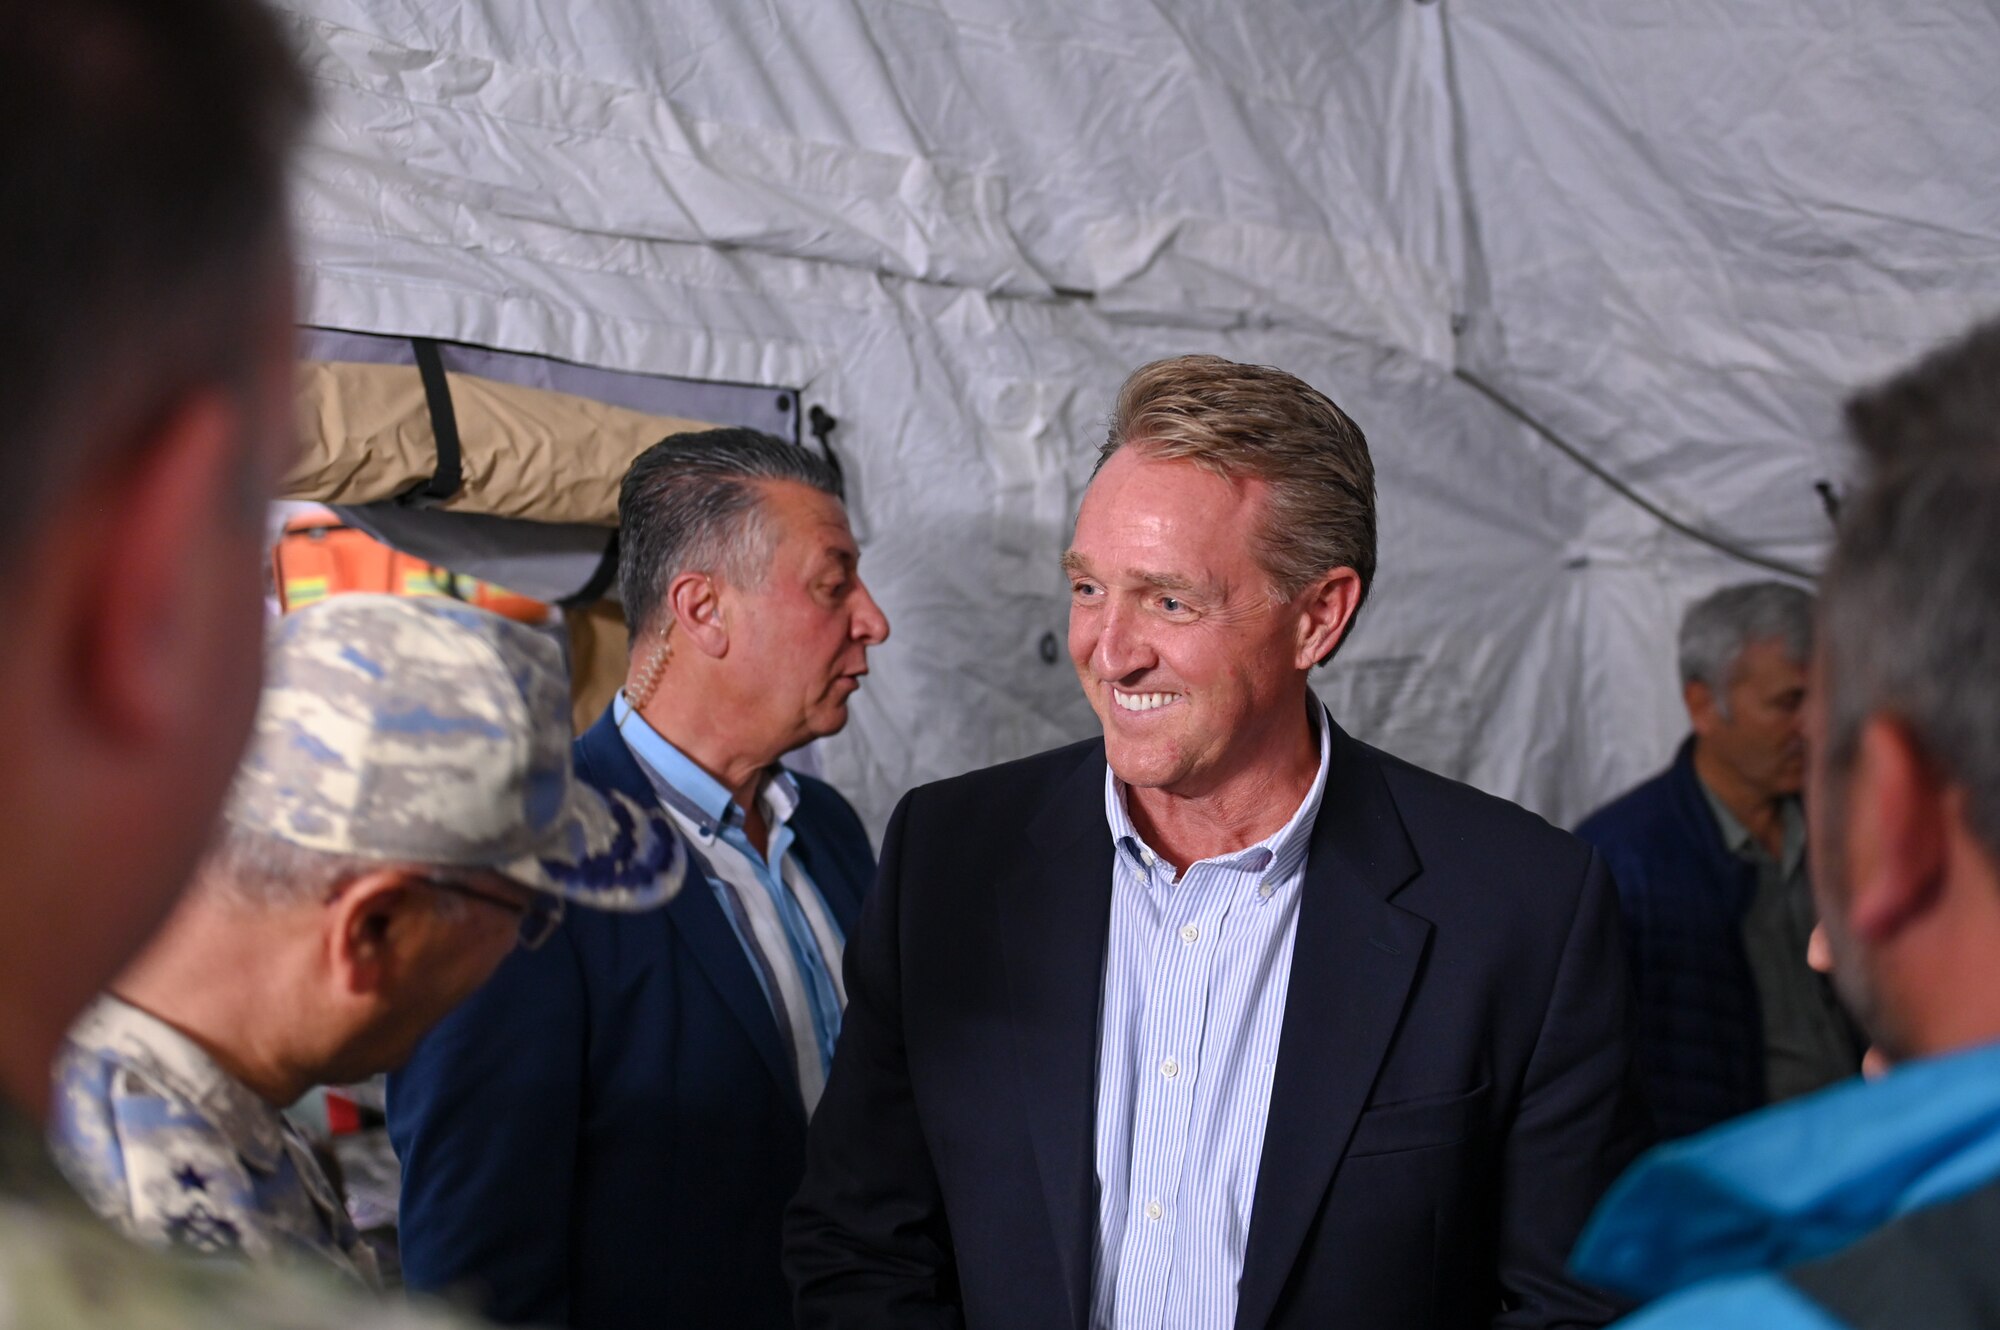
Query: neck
{"x": 1759, "y": 810}
{"x": 1235, "y": 810}
{"x": 688, "y": 717}
{"x": 217, "y": 981}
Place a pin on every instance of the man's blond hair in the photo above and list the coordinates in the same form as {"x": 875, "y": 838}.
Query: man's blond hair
{"x": 1255, "y": 421}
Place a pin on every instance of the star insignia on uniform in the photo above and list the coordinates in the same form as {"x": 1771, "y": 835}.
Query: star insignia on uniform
{"x": 190, "y": 1178}
{"x": 201, "y": 1229}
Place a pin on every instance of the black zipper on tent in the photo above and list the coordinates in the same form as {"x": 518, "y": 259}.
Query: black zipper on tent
{"x": 449, "y": 476}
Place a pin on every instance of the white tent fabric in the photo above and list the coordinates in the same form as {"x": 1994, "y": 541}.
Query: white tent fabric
{"x": 1674, "y": 234}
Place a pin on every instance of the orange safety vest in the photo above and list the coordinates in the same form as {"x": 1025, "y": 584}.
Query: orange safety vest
{"x": 319, "y": 556}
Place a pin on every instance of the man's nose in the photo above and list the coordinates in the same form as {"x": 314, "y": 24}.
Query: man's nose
{"x": 1121, "y": 648}
{"x": 870, "y": 626}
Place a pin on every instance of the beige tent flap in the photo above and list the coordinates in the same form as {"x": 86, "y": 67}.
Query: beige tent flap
{"x": 597, "y": 647}
{"x": 365, "y": 436}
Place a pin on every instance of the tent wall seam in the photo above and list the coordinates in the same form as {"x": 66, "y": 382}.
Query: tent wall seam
{"x": 1625, "y": 491}
{"x": 1476, "y": 290}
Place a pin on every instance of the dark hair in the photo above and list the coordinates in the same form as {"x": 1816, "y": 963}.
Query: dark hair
{"x": 1253, "y": 420}
{"x": 143, "y": 238}
{"x": 691, "y": 502}
{"x": 1910, "y": 602}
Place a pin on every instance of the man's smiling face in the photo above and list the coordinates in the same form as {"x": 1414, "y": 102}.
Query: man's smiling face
{"x": 1187, "y": 655}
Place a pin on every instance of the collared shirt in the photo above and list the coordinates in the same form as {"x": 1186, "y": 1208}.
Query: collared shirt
{"x": 176, "y": 1152}
{"x": 1808, "y": 1042}
{"x": 1195, "y": 977}
{"x": 782, "y": 922}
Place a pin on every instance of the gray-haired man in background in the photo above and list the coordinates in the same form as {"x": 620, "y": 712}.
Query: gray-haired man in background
{"x": 405, "y": 816}
{"x": 1710, "y": 860}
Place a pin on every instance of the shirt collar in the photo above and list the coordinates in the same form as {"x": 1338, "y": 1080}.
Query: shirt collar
{"x": 119, "y": 1032}
{"x": 684, "y": 786}
{"x": 1278, "y": 855}
{"x": 1737, "y": 838}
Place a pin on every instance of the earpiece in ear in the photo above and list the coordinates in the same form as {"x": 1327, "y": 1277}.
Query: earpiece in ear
{"x": 647, "y": 682}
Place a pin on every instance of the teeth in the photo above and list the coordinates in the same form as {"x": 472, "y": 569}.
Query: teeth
{"x": 1142, "y": 701}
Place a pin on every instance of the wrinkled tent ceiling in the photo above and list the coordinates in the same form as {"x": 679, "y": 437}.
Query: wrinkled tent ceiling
{"x": 1672, "y": 235}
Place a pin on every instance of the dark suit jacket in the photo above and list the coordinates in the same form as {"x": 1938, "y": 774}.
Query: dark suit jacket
{"x": 1450, "y": 1099}
{"x": 606, "y": 1134}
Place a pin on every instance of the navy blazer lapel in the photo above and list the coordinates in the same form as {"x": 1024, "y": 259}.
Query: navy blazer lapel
{"x": 1353, "y": 963}
{"x": 607, "y": 763}
{"x": 1054, "y": 907}
{"x": 813, "y": 846}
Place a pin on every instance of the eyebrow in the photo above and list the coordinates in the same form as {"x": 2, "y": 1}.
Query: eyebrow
{"x": 1074, "y": 565}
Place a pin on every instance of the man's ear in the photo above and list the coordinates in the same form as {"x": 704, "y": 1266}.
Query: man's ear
{"x": 1326, "y": 609}
{"x": 141, "y": 652}
{"x": 370, "y": 931}
{"x": 695, "y": 600}
{"x": 1898, "y": 825}
{"x": 1703, "y": 714}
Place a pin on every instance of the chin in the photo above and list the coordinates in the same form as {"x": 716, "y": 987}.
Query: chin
{"x": 1140, "y": 767}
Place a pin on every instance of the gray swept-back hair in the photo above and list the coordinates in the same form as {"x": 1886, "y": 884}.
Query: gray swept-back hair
{"x": 1718, "y": 627}
{"x": 691, "y": 502}
{"x": 1910, "y": 601}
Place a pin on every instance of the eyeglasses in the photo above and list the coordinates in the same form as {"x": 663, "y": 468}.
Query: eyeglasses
{"x": 539, "y": 914}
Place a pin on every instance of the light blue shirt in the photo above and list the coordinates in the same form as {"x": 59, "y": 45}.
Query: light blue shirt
{"x": 1195, "y": 976}
{"x": 790, "y": 937}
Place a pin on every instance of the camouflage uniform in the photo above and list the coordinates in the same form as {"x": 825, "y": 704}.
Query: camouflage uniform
{"x": 176, "y": 1152}
{"x": 60, "y": 1269}
{"x": 423, "y": 731}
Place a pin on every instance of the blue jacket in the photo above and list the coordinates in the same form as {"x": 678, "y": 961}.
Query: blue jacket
{"x": 1748, "y": 1226}
{"x": 607, "y": 1133}
{"x": 1700, "y": 1054}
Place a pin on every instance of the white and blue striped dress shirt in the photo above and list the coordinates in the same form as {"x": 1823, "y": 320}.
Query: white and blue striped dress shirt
{"x": 1195, "y": 977}
{"x": 788, "y": 934}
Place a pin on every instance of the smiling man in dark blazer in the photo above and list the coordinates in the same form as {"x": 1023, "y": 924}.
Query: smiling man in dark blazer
{"x": 1225, "y": 1019}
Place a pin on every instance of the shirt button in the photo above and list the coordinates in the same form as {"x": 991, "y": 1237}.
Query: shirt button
{"x": 1189, "y": 933}
{"x": 1154, "y": 1210}
{"x": 1170, "y": 1069}
{"x": 1146, "y": 858}
{"x": 1265, "y": 891}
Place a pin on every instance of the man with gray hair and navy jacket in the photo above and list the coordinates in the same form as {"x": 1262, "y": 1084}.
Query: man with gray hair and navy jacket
{"x": 1710, "y": 861}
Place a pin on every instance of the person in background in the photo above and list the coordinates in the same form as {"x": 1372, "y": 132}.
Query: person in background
{"x": 1875, "y": 1203}
{"x": 405, "y": 816}
{"x": 1710, "y": 861}
{"x": 1225, "y": 1019}
{"x": 606, "y": 1134}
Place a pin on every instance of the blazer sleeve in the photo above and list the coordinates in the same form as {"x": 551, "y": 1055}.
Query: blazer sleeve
{"x": 866, "y": 1242}
{"x": 1580, "y": 1121}
{"x": 485, "y": 1119}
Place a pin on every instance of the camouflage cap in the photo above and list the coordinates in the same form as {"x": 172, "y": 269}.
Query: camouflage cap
{"x": 421, "y": 730}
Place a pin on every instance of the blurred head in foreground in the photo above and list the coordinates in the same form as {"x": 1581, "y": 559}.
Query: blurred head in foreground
{"x": 1905, "y": 712}
{"x": 145, "y": 351}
